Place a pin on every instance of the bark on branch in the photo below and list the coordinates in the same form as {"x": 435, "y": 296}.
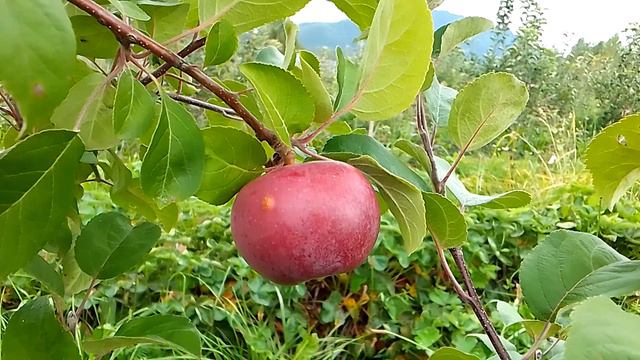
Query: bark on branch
{"x": 128, "y": 35}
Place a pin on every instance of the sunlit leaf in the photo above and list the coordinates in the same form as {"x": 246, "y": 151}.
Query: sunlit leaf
{"x": 314, "y": 85}
{"x": 291, "y": 35}
{"x": 167, "y": 20}
{"x": 360, "y": 12}
{"x": 288, "y": 107}
{"x": 620, "y": 141}
{"x": 348, "y": 77}
{"x": 395, "y": 61}
{"x": 438, "y": 101}
{"x": 451, "y": 354}
{"x": 453, "y": 34}
{"x": 222, "y": 43}
{"x": 247, "y": 14}
{"x": 485, "y": 108}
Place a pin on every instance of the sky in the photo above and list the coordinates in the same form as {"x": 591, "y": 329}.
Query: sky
{"x": 567, "y": 20}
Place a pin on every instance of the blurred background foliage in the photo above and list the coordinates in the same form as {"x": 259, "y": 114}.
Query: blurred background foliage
{"x": 397, "y": 306}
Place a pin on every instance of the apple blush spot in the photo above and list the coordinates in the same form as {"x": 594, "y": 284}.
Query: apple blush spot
{"x": 306, "y": 221}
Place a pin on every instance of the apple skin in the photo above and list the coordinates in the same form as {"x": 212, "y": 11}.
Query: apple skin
{"x": 306, "y": 221}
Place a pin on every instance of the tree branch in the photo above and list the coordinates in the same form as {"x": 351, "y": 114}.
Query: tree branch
{"x": 226, "y": 112}
{"x": 470, "y": 296}
{"x": 128, "y": 35}
{"x": 188, "y": 50}
{"x": 477, "y": 307}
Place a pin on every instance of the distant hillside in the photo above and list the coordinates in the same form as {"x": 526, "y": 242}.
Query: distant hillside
{"x": 317, "y": 35}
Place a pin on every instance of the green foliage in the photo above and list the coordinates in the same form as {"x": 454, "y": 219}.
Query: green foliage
{"x": 19, "y": 341}
{"x": 620, "y": 141}
{"x": 569, "y": 267}
{"x": 611, "y": 338}
{"x": 394, "y": 64}
{"x": 174, "y": 163}
{"x": 109, "y": 245}
{"x": 486, "y": 108}
{"x": 232, "y": 159}
{"x": 38, "y": 177}
{"x": 45, "y": 66}
{"x": 98, "y": 154}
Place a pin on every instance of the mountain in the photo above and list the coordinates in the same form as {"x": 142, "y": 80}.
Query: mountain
{"x": 317, "y": 35}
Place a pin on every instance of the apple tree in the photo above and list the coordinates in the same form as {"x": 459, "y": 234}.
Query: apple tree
{"x": 83, "y": 81}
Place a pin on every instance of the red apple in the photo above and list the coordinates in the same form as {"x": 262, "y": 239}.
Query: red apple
{"x": 306, "y": 221}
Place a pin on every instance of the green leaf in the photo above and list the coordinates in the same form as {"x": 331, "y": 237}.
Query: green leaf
{"x": 569, "y": 267}
{"x": 348, "y": 77}
{"x": 270, "y": 55}
{"x": 288, "y": 106}
{"x": 133, "y": 108}
{"x": 404, "y": 200}
{"x": 232, "y": 159}
{"x": 222, "y": 43}
{"x": 44, "y": 272}
{"x": 247, "y": 98}
{"x": 247, "y": 14}
{"x": 167, "y": 20}
{"x": 75, "y": 281}
{"x": 36, "y": 70}
{"x": 88, "y": 108}
{"x": 445, "y": 221}
{"x": 168, "y": 330}
{"x": 361, "y": 12}
{"x": 313, "y": 83}
{"x": 130, "y": 9}
{"x": 485, "y": 108}
{"x": 451, "y": 35}
{"x": 438, "y": 100}
{"x": 37, "y": 179}
{"x": 52, "y": 341}
{"x": 510, "y": 199}
{"x": 108, "y": 245}
{"x": 127, "y": 193}
{"x": 620, "y": 141}
{"x": 354, "y": 145}
{"x": 93, "y": 40}
{"x": 601, "y": 330}
{"x": 395, "y": 60}
{"x": 174, "y": 163}
{"x": 291, "y": 35}
{"x": 311, "y": 59}
{"x": 448, "y": 353}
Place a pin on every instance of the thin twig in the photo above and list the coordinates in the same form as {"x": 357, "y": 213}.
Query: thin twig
{"x": 127, "y": 36}
{"x": 226, "y": 112}
{"x": 305, "y": 150}
{"x": 477, "y": 307}
{"x": 538, "y": 342}
{"x": 97, "y": 180}
{"x": 546, "y": 352}
{"x": 427, "y": 143}
{"x": 188, "y": 50}
{"x": 462, "y": 294}
{"x": 15, "y": 113}
{"x": 85, "y": 298}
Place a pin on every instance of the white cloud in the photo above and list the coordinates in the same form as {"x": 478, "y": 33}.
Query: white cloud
{"x": 567, "y": 20}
